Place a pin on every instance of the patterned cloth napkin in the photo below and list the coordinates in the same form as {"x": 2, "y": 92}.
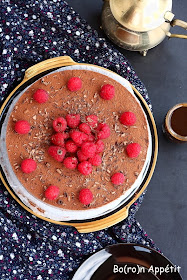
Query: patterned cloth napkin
{"x": 32, "y": 31}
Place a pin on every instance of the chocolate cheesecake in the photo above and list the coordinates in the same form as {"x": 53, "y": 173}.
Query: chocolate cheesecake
{"x": 61, "y": 101}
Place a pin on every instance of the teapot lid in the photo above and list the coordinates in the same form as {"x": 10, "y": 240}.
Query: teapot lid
{"x": 140, "y": 15}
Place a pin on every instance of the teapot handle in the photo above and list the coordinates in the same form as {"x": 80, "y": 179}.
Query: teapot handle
{"x": 175, "y": 22}
{"x": 179, "y": 22}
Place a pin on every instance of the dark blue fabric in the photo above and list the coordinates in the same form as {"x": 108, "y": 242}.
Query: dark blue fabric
{"x": 32, "y": 31}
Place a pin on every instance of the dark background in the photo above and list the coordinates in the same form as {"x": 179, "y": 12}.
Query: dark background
{"x": 163, "y": 213}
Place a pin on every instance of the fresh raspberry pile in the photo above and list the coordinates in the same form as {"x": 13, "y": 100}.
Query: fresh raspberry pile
{"x": 78, "y": 144}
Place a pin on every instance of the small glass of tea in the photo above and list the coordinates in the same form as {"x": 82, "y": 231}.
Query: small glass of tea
{"x": 175, "y": 123}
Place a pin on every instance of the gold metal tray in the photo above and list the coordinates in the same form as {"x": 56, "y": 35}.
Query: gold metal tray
{"x": 119, "y": 214}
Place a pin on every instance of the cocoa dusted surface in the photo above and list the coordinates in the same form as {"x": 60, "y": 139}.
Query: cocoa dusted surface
{"x": 84, "y": 102}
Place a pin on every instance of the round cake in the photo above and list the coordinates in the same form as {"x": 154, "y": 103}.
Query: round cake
{"x": 76, "y": 143}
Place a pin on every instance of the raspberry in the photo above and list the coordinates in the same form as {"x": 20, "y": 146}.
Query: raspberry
{"x": 118, "y": 178}
{"x": 28, "y": 165}
{"x": 52, "y": 192}
{"x": 81, "y": 156}
{"x": 70, "y": 162}
{"x": 92, "y": 120}
{"x": 78, "y": 137}
{"x": 41, "y": 96}
{"x": 103, "y": 131}
{"x": 74, "y": 84}
{"x": 84, "y": 127}
{"x": 65, "y": 135}
{"x": 85, "y": 196}
{"x": 71, "y": 147}
{"x": 85, "y": 167}
{"x": 73, "y": 120}
{"x": 133, "y": 150}
{"x": 22, "y": 127}
{"x": 91, "y": 138}
{"x": 107, "y": 92}
{"x": 99, "y": 146}
{"x": 88, "y": 149}
{"x": 58, "y": 139}
{"x": 96, "y": 160}
{"x": 57, "y": 152}
{"x": 59, "y": 124}
{"x": 128, "y": 118}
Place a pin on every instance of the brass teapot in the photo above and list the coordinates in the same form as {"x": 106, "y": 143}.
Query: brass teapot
{"x": 139, "y": 25}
